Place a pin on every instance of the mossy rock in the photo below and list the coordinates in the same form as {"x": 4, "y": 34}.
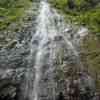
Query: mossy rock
{"x": 92, "y": 56}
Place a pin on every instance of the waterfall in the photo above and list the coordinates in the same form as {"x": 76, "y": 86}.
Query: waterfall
{"x": 44, "y": 33}
{"x": 50, "y": 28}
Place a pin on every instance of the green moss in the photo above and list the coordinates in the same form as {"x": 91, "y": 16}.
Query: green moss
{"x": 79, "y": 2}
{"x": 11, "y": 11}
{"x": 60, "y": 4}
{"x": 90, "y": 19}
{"x": 92, "y": 56}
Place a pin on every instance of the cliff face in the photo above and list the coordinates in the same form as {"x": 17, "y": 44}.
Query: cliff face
{"x": 14, "y": 51}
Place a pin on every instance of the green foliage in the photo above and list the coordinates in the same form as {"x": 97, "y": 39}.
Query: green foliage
{"x": 85, "y": 12}
{"x": 11, "y": 11}
{"x": 60, "y": 4}
{"x": 80, "y": 4}
{"x": 91, "y": 19}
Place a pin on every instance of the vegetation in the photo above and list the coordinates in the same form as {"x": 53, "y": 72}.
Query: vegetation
{"x": 11, "y": 11}
{"x": 91, "y": 49}
{"x": 85, "y": 12}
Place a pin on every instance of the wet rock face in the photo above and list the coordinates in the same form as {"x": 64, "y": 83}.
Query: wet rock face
{"x": 77, "y": 87}
{"x": 72, "y": 81}
{"x": 16, "y": 65}
{"x": 58, "y": 38}
{"x": 7, "y": 92}
{"x": 13, "y": 66}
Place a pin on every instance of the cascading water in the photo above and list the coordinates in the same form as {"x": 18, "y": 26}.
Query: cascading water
{"x": 51, "y": 33}
{"x": 44, "y": 33}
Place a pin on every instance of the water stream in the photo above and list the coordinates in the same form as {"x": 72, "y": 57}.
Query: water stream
{"x": 45, "y": 32}
{"x": 49, "y": 29}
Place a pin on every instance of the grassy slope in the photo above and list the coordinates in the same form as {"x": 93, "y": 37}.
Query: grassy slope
{"x": 11, "y": 11}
